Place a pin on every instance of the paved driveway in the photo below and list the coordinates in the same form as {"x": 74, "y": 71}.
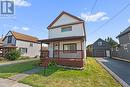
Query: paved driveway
{"x": 120, "y": 68}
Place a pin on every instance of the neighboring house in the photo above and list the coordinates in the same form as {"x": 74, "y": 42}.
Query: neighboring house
{"x": 101, "y": 48}
{"x": 123, "y": 49}
{"x": 89, "y": 50}
{"x": 28, "y": 45}
{"x": 1, "y": 46}
{"x": 66, "y": 40}
{"x": 1, "y": 42}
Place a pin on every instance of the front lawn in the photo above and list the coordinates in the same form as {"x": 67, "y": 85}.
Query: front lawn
{"x": 92, "y": 76}
{"x": 7, "y": 71}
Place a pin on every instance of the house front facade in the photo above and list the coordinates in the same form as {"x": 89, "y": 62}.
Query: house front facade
{"x": 28, "y": 45}
{"x": 66, "y": 41}
{"x": 101, "y": 48}
{"x": 123, "y": 49}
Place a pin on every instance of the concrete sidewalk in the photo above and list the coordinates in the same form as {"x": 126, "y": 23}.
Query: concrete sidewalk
{"x": 25, "y": 74}
{"x": 11, "y": 83}
{"x": 17, "y": 61}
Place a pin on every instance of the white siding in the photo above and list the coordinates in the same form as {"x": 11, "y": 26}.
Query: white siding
{"x": 5, "y": 42}
{"x": 77, "y": 30}
{"x": 31, "y": 51}
{"x": 70, "y": 55}
{"x": 50, "y": 48}
{"x": 64, "y": 19}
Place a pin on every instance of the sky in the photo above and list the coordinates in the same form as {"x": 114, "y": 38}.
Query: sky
{"x": 33, "y": 16}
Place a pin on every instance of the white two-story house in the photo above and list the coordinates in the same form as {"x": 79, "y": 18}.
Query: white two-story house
{"x": 28, "y": 45}
{"x": 66, "y": 41}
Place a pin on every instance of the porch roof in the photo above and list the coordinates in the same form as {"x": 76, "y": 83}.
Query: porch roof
{"x": 62, "y": 39}
{"x": 10, "y": 46}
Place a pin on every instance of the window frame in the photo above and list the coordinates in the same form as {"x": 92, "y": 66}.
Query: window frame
{"x": 9, "y": 39}
{"x": 31, "y": 44}
{"x": 100, "y": 43}
{"x": 65, "y": 28}
{"x": 125, "y": 47}
{"x": 70, "y": 51}
{"x": 26, "y": 49}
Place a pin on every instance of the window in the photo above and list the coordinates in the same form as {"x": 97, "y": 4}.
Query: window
{"x": 125, "y": 47}
{"x": 23, "y": 50}
{"x": 65, "y": 29}
{"x": 9, "y": 39}
{"x": 112, "y": 49}
{"x": 117, "y": 49}
{"x": 31, "y": 44}
{"x": 129, "y": 36}
{"x": 100, "y": 43}
{"x": 72, "y": 46}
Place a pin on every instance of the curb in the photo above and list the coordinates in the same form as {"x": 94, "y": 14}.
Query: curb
{"x": 117, "y": 58}
{"x": 118, "y": 79}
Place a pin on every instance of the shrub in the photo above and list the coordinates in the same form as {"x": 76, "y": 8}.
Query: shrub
{"x": 13, "y": 55}
{"x": 52, "y": 63}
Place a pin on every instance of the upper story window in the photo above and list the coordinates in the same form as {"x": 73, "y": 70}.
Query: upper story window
{"x": 100, "y": 43}
{"x": 125, "y": 47}
{"x": 31, "y": 44}
{"x": 117, "y": 49}
{"x": 129, "y": 36}
{"x": 9, "y": 39}
{"x": 65, "y": 29}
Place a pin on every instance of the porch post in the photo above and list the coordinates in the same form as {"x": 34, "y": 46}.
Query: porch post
{"x": 81, "y": 50}
{"x": 58, "y": 49}
{"x": 41, "y": 54}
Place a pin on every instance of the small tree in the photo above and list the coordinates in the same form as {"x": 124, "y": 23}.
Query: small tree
{"x": 13, "y": 55}
{"x": 111, "y": 41}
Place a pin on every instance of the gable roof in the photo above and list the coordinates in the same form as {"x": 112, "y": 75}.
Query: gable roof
{"x": 1, "y": 42}
{"x": 99, "y": 40}
{"x": 124, "y": 32}
{"x": 23, "y": 37}
{"x": 66, "y": 14}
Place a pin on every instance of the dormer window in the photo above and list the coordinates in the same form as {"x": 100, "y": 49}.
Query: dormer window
{"x": 65, "y": 29}
{"x": 9, "y": 39}
{"x": 100, "y": 43}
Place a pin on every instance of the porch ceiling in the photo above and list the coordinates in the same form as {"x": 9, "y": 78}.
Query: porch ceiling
{"x": 62, "y": 39}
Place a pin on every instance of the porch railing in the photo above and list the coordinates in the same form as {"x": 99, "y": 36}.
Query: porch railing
{"x": 64, "y": 54}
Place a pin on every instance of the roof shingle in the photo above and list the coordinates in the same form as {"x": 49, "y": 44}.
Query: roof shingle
{"x": 24, "y": 37}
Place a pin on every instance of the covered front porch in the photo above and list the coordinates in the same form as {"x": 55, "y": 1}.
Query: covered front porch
{"x": 67, "y": 51}
{"x": 6, "y": 49}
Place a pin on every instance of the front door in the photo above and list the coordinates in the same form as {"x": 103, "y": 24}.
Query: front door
{"x": 55, "y": 50}
{"x": 108, "y": 53}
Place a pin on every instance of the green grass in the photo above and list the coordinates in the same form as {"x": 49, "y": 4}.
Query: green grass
{"x": 10, "y": 70}
{"x": 92, "y": 76}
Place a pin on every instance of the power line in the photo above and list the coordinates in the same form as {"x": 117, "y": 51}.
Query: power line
{"x": 92, "y": 10}
{"x": 117, "y": 14}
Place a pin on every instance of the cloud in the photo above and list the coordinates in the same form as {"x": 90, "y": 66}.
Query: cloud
{"x": 25, "y": 28}
{"x": 99, "y": 16}
{"x": 104, "y": 18}
{"x": 18, "y": 28}
{"x": 22, "y": 3}
{"x": 15, "y": 28}
{"x": 129, "y": 20}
